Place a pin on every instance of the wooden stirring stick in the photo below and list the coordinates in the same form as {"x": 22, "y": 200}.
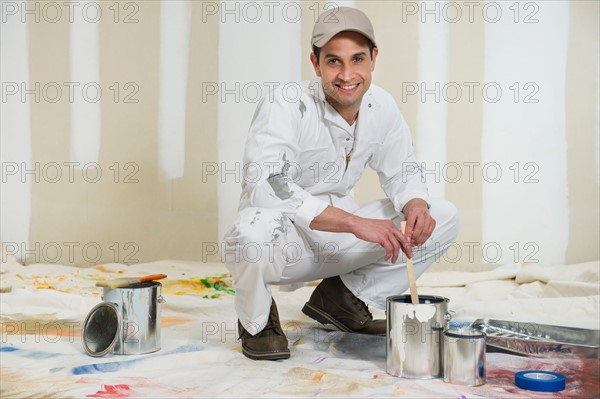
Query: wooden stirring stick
{"x": 127, "y": 281}
{"x": 414, "y": 296}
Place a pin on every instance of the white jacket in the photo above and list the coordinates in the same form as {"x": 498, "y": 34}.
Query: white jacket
{"x": 295, "y": 154}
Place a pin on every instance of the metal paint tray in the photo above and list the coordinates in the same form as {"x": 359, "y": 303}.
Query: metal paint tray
{"x": 540, "y": 340}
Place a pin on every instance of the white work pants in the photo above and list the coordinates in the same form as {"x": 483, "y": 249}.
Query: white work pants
{"x": 264, "y": 247}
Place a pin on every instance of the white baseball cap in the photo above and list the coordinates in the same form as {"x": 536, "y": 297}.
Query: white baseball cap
{"x": 341, "y": 19}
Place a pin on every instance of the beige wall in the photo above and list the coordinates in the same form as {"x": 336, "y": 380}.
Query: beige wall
{"x": 466, "y": 63}
{"x": 129, "y": 214}
{"x": 582, "y": 124}
{"x": 397, "y": 63}
{"x": 152, "y": 218}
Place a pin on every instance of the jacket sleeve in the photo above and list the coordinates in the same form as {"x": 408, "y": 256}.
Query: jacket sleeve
{"x": 271, "y": 162}
{"x": 394, "y": 161}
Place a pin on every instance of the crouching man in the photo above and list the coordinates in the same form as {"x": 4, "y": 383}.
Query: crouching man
{"x": 297, "y": 219}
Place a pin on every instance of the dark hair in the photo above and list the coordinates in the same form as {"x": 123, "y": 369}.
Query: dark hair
{"x": 370, "y": 45}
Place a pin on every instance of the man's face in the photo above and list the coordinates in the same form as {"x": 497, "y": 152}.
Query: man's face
{"x": 345, "y": 68}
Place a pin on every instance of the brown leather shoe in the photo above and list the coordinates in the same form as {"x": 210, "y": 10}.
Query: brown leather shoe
{"x": 331, "y": 303}
{"x": 268, "y": 344}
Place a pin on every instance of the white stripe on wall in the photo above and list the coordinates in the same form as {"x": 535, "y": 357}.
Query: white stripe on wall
{"x": 85, "y": 74}
{"x": 250, "y": 55}
{"x": 344, "y": 3}
{"x": 175, "y": 21}
{"x": 15, "y": 137}
{"x": 432, "y": 107}
{"x": 597, "y": 128}
{"x": 525, "y": 213}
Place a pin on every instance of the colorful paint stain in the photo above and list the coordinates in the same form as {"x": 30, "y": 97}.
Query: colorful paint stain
{"x": 113, "y": 391}
{"x": 30, "y": 354}
{"x": 318, "y": 376}
{"x": 46, "y": 329}
{"x": 169, "y": 321}
{"x": 83, "y": 282}
{"x": 207, "y": 287}
{"x": 111, "y": 367}
{"x": 8, "y": 349}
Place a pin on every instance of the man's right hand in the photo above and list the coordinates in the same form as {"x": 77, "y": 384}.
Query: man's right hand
{"x": 379, "y": 231}
{"x": 385, "y": 233}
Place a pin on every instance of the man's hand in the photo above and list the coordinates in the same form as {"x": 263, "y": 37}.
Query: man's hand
{"x": 379, "y": 231}
{"x": 386, "y": 234}
{"x": 419, "y": 223}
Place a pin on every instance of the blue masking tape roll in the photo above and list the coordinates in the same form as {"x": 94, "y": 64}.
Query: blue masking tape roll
{"x": 541, "y": 381}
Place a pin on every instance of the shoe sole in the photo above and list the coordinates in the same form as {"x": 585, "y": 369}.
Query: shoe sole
{"x": 323, "y": 317}
{"x": 266, "y": 356}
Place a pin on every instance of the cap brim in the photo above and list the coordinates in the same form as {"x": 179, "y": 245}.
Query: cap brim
{"x": 322, "y": 41}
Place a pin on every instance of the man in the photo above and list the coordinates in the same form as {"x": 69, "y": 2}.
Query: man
{"x": 297, "y": 218}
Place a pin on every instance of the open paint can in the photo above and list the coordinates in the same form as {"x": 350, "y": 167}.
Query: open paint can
{"x": 415, "y": 336}
{"x": 464, "y": 356}
{"x": 127, "y": 322}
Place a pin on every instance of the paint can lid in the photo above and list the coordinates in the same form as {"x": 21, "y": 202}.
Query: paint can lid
{"x": 101, "y": 329}
{"x": 464, "y": 332}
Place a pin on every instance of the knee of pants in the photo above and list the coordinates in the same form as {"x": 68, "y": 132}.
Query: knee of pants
{"x": 255, "y": 240}
{"x": 447, "y": 220}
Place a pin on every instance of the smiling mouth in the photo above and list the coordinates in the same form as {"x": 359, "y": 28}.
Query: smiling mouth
{"x": 347, "y": 87}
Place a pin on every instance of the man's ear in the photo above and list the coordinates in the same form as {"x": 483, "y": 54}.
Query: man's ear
{"x": 315, "y": 64}
{"x": 375, "y": 52}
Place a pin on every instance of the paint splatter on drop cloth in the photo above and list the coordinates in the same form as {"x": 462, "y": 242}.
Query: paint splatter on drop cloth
{"x": 82, "y": 281}
{"x": 207, "y": 287}
{"x": 113, "y": 391}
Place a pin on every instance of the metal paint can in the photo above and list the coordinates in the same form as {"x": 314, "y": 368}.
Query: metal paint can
{"x": 464, "y": 356}
{"x": 415, "y": 336}
{"x": 127, "y": 322}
